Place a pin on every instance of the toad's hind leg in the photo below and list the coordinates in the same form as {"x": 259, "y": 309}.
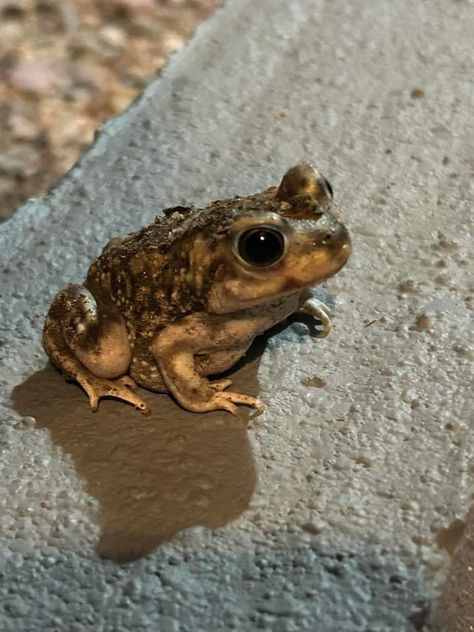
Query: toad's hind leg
{"x": 89, "y": 343}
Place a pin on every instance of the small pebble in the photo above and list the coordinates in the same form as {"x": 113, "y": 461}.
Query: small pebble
{"x": 315, "y": 381}
{"x": 422, "y": 323}
{"x": 417, "y": 93}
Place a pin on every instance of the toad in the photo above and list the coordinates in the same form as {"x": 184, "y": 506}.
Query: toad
{"x": 183, "y": 298}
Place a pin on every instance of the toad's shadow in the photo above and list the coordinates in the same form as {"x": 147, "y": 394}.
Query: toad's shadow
{"x": 153, "y": 476}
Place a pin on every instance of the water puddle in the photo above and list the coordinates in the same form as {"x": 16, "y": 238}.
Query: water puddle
{"x": 153, "y": 476}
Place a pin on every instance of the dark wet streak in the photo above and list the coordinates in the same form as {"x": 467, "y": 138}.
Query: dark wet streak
{"x": 153, "y": 476}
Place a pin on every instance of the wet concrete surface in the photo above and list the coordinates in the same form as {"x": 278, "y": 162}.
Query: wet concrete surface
{"x": 456, "y": 606}
{"x": 375, "y": 463}
{"x": 153, "y": 476}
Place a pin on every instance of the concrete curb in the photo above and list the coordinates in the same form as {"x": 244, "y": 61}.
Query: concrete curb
{"x": 355, "y": 480}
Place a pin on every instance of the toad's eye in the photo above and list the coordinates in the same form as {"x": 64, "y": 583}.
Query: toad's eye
{"x": 261, "y": 247}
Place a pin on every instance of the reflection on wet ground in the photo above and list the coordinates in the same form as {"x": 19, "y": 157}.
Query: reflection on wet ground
{"x": 456, "y": 604}
{"x": 153, "y": 476}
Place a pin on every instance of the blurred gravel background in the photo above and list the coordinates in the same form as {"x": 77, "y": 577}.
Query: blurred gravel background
{"x": 66, "y": 66}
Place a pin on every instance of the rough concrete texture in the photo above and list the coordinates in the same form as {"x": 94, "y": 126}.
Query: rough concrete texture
{"x": 356, "y": 480}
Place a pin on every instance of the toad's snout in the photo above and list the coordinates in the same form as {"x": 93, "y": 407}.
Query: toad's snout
{"x": 331, "y": 233}
{"x": 336, "y": 237}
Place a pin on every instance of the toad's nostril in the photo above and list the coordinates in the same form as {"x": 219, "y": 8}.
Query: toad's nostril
{"x": 336, "y": 236}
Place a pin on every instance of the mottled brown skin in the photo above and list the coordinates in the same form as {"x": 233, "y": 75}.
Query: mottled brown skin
{"x": 183, "y": 298}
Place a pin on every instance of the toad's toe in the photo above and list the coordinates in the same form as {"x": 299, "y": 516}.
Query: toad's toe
{"x": 227, "y": 400}
{"x": 119, "y": 388}
{"x": 220, "y": 385}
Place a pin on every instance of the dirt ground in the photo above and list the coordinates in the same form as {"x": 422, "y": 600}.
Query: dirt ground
{"x": 66, "y": 66}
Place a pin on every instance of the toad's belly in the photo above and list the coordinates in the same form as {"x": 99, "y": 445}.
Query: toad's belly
{"x": 144, "y": 370}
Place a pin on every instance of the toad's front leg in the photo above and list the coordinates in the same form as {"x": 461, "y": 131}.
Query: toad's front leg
{"x": 179, "y": 350}
{"x": 317, "y": 309}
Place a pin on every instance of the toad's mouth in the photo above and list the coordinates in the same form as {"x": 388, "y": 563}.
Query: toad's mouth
{"x": 319, "y": 265}
{"x": 338, "y": 257}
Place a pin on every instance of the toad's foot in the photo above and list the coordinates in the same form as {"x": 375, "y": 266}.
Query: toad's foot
{"x": 225, "y": 400}
{"x": 120, "y": 388}
{"x": 318, "y": 309}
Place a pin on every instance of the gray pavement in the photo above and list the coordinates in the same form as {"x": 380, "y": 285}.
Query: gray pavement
{"x": 340, "y": 493}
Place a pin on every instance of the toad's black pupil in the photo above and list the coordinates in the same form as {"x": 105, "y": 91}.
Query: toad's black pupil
{"x": 261, "y": 246}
